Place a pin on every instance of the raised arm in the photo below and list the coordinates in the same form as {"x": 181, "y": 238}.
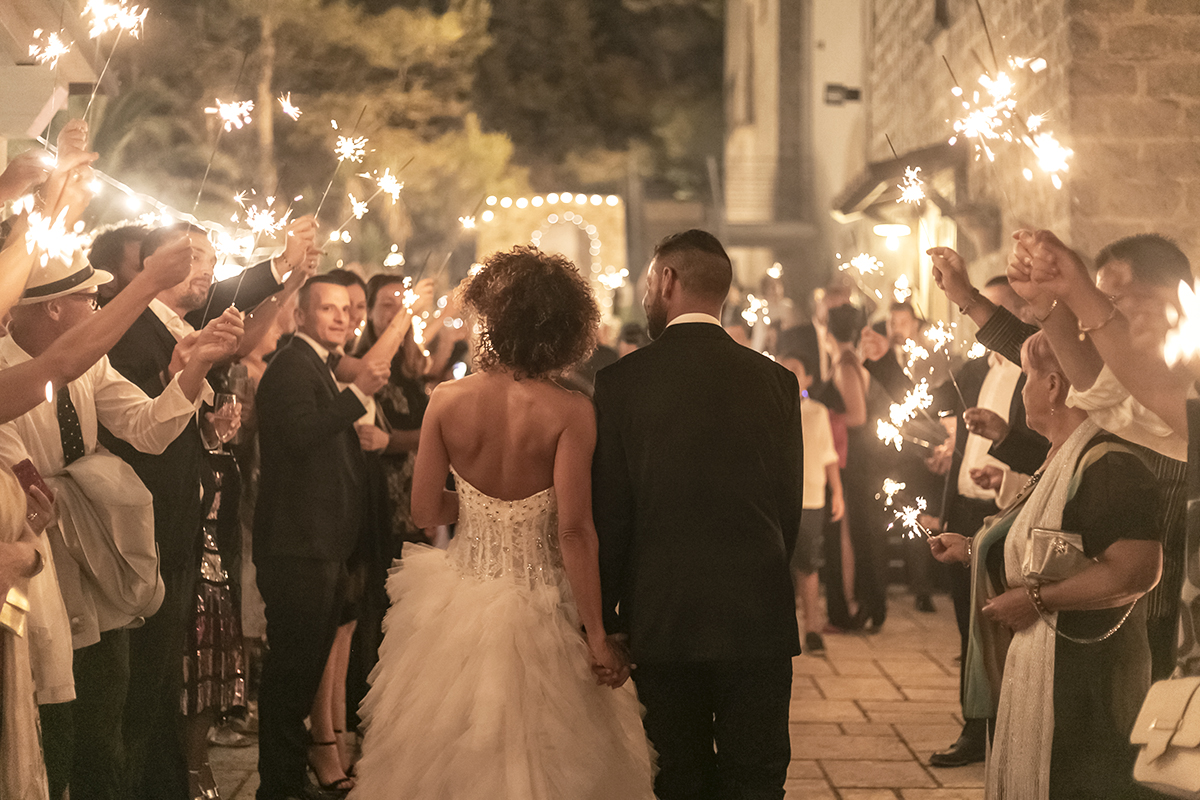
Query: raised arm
{"x": 23, "y": 386}
{"x": 1140, "y": 369}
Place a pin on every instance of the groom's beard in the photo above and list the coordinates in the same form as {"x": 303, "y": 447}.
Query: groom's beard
{"x": 656, "y": 318}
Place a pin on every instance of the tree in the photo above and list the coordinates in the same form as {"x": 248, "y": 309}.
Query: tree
{"x": 400, "y": 77}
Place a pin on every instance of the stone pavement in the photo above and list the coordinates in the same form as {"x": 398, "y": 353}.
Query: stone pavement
{"x": 865, "y": 717}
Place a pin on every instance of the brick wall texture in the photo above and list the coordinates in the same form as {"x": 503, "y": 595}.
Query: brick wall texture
{"x": 1122, "y": 89}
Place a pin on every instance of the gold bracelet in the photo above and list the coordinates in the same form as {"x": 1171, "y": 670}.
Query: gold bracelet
{"x": 1084, "y": 330}
{"x": 1034, "y": 590}
{"x": 969, "y": 553}
{"x": 1053, "y": 306}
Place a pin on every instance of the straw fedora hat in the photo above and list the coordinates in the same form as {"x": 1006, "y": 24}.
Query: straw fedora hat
{"x": 60, "y": 277}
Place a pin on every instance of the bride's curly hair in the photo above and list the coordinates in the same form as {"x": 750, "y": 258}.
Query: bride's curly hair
{"x": 537, "y": 316}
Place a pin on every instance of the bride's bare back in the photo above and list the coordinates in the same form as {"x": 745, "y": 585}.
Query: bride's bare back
{"x": 502, "y": 435}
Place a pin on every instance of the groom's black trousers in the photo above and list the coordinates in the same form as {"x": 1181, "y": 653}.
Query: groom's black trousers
{"x": 741, "y": 707}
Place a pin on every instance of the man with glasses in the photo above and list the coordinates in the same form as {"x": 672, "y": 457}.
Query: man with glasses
{"x": 82, "y": 694}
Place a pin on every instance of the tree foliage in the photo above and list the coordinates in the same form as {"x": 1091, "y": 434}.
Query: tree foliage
{"x": 400, "y": 76}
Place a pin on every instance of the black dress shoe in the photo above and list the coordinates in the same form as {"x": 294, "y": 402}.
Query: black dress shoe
{"x": 925, "y": 604}
{"x": 967, "y": 750}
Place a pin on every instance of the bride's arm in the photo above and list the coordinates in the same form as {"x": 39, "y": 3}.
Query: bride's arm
{"x": 432, "y": 504}
{"x": 577, "y": 538}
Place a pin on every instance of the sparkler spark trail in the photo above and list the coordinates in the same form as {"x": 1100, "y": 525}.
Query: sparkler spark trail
{"x": 351, "y": 148}
{"x": 233, "y": 115}
{"x": 916, "y": 400}
{"x": 890, "y": 489}
{"x": 285, "y": 102}
{"x": 342, "y": 154}
{"x": 907, "y": 517}
{"x": 912, "y": 190}
{"x": 51, "y": 237}
{"x": 467, "y": 222}
{"x": 865, "y": 263}
{"x": 756, "y": 310}
{"x": 358, "y": 207}
{"x": 977, "y": 351}
{"x": 110, "y": 16}
{"x": 915, "y": 353}
{"x": 940, "y": 336}
{"x": 901, "y": 290}
{"x": 50, "y": 52}
{"x": 889, "y": 434}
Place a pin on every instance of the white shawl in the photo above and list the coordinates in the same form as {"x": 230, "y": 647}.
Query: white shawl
{"x": 1019, "y": 765}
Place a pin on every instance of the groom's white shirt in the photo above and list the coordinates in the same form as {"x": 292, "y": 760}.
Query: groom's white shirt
{"x": 695, "y": 317}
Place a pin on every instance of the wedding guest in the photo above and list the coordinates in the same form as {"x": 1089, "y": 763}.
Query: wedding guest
{"x": 1140, "y": 274}
{"x": 118, "y": 251}
{"x": 1078, "y": 666}
{"x": 821, "y": 476}
{"x": 82, "y": 737}
{"x": 158, "y": 344}
{"x": 988, "y": 384}
{"x": 306, "y": 526}
{"x": 357, "y": 288}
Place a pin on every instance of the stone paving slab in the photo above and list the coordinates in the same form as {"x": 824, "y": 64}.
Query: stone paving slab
{"x": 865, "y": 716}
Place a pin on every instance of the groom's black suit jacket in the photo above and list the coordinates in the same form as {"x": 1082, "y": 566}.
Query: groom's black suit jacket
{"x": 697, "y": 495}
{"x": 313, "y": 479}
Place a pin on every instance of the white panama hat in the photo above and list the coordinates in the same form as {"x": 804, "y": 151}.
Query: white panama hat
{"x": 59, "y": 277}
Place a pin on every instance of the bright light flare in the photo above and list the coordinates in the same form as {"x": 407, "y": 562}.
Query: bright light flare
{"x": 776, "y": 271}
{"x": 912, "y": 190}
{"x": 865, "y": 263}
{"x": 467, "y": 222}
{"x": 889, "y": 434}
{"x": 1183, "y": 340}
{"x": 394, "y": 258}
{"x": 907, "y": 516}
{"x": 940, "y": 336}
{"x": 285, "y": 102}
{"x": 351, "y": 148}
{"x": 357, "y": 207}
{"x": 109, "y": 16}
{"x": 890, "y": 489}
{"x": 901, "y": 290}
{"x": 977, "y": 351}
{"x": 232, "y": 115}
{"x": 49, "y": 52}
{"x": 917, "y": 399}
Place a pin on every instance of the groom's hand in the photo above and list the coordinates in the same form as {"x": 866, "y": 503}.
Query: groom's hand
{"x": 610, "y": 661}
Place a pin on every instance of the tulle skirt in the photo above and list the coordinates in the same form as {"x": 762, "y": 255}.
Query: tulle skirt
{"x": 483, "y": 690}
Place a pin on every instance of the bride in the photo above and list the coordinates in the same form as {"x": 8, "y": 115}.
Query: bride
{"x": 485, "y": 686}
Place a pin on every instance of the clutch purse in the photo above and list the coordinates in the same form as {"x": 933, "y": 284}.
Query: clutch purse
{"x": 1054, "y": 555}
{"x": 1167, "y": 733}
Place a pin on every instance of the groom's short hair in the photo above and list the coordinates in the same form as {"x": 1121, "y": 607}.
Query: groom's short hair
{"x": 699, "y": 260}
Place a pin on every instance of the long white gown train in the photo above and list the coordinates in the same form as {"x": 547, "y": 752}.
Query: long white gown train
{"x": 483, "y": 688}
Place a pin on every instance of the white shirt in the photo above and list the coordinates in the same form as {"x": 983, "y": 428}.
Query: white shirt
{"x": 177, "y": 325}
{"x": 995, "y": 395}
{"x": 367, "y": 401}
{"x": 100, "y": 394}
{"x": 819, "y": 451}
{"x": 1114, "y": 409}
{"x": 695, "y": 316}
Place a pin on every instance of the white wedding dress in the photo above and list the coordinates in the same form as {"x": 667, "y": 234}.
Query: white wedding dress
{"x": 483, "y": 688}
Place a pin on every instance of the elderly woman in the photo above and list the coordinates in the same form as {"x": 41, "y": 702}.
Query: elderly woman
{"x": 1078, "y": 664}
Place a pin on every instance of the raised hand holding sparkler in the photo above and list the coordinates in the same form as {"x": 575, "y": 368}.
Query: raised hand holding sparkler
{"x": 23, "y": 173}
{"x": 950, "y": 548}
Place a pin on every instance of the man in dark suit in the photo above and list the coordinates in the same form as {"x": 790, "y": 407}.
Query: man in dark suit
{"x": 307, "y": 522}
{"x": 154, "y": 348}
{"x": 698, "y": 480}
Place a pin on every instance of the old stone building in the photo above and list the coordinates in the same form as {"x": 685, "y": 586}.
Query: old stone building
{"x": 1120, "y": 87}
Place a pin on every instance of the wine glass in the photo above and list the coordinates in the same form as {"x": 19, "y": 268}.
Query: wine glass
{"x": 225, "y": 416}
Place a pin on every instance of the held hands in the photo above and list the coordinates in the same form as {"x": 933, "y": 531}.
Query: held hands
{"x": 610, "y": 660}
{"x": 950, "y": 275}
{"x": 373, "y": 376}
{"x": 949, "y": 548}
{"x": 1013, "y": 609}
{"x": 985, "y": 423}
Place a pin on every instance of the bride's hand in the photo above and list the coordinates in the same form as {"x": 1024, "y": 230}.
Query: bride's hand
{"x": 609, "y": 664}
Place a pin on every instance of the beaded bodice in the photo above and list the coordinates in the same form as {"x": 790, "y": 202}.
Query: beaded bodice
{"x": 516, "y": 539}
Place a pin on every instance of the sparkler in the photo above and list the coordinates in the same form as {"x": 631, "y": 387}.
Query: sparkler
{"x": 110, "y": 16}
{"x": 901, "y": 290}
{"x": 977, "y": 351}
{"x": 232, "y": 115}
{"x": 912, "y": 190}
{"x": 347, "y": 147}
{"x": 891, "y": 488}
{"x": 1183, "y": 340}
{"x": 285, "y": 102}
{"x": 756, "y": 310}
{"x": 220, "y": 131}
{"x": 915, "y": 353}
{"x": 358, "y": 207}
{"x": 467, "y": 222}
{"x": 776, "y": 271}
{"x": 394, "y": 258}
{"x": 907, "y": 517}
{"x": 51, "y": 51}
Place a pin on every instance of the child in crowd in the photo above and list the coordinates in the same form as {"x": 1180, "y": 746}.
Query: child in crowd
{"x": 820, "y": 471}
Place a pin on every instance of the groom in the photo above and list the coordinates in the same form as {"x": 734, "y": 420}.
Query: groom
{"x": 697, "y": 495}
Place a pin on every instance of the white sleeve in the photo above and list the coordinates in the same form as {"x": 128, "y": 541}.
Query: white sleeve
{"x": 150, "y": 425}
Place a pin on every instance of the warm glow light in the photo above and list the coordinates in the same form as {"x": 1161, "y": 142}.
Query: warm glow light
{"x": 506, "y": 202}
{"x": 891, "y": 229}
{"x": 612, "y": 200}
{"x": 491, "y": 200}
{"x": 537, "y": 201}
{"x": 489, "y": 215}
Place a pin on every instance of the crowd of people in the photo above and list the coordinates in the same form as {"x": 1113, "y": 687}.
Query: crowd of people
{"x": 205, "y": 485}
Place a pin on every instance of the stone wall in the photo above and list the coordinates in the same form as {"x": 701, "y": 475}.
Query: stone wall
{"x": 1122, "y": 89}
